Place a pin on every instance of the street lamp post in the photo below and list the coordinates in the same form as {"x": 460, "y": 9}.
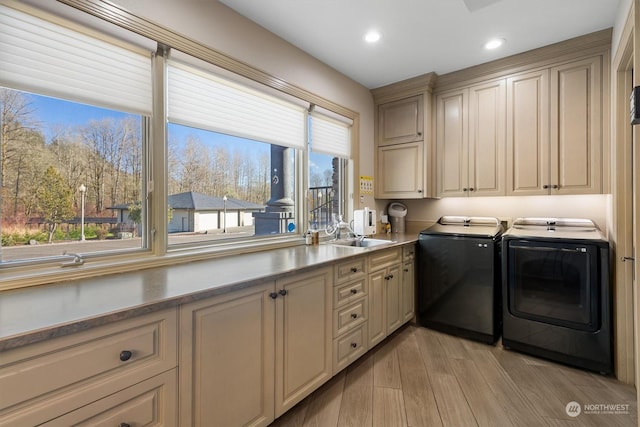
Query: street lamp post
{"x": 224, "y": 219}
{"x": 83, "y": 190}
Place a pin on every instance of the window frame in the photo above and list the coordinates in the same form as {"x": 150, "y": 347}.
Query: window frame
{"x": 157, "y": 252}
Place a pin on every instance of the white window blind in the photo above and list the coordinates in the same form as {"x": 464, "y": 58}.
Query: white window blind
{"x": 330, "y": 136}
{"x": 42, "y": 57}
{"x": 200, "y": 99}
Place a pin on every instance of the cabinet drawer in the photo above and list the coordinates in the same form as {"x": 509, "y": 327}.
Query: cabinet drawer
{"x": 81, "y": 368}
{"x": 384, "y": 258}
{"x": 350, "y": 347}
{"x": 149, "y": 403}
{"x": 348, "y": 292}
{"x": 349, "y": 316}
{"x": 408, "y": 253}
{"x": 350, "y": 270}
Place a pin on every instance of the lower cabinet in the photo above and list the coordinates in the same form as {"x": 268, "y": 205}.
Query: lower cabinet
{"x": 123, "y": 373}
{"x": 149, "y": 403}
{"x": 385, "y": 301}
{"x": 408, "y": 282}
{"x": 227, "y": 359}
{"x": 248, "y": 356}
{"x": 303, "y": 336}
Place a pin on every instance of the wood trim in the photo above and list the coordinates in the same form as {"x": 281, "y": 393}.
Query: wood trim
{"x": 123, "y": 18}
{"x": 621, "y": 223}
{"x": 546, "y": 56}
{"x": 405, "y": 88}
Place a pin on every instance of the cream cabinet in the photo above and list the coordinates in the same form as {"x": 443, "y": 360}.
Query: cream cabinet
{"x": 554, "y": 129}
{"x": 385, "y": 301}
{"x": 248, "y": 356}
{"x": 403, "y": 149}
{"x": 115, "y": 374}
{"x": 304, "y": 336}
{"x": 401, "y": 121}
{"x": 149, "y": 403}
{"x": 400, "y": 171}
{"x": 227, "y": 349}
{"x": 470, "y": 141}
{"x": 350, "y": 312}
{"x": 408, "y": 282}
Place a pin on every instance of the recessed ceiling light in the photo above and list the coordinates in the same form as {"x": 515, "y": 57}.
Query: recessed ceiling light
{"x": 494, "y": 44}
{"x": 372, "y": 36}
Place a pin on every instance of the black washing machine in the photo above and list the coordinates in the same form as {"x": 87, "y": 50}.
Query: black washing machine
{"x": 459, "y": 277}
{"x": 556, "y": 292}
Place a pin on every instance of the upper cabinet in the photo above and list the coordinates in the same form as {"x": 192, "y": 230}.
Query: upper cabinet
{"x": 404, "y": 153}
{"x": 554, "y": 129}
{"x": 401, "y": 121}
{"x": 470, "y": 141}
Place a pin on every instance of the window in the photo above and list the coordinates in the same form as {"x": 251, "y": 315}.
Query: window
{"x": 232, "y": 159}
{"x": 95, "y": 129}
{"x": 73, "y": 113}
{"x": 330, "y": 148}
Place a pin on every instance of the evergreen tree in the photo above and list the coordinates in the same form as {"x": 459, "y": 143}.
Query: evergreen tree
{"x": 54, "y": 200}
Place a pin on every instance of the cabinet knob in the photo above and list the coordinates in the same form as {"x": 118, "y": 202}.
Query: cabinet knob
{"x": 282, "y": 292}
{"x": 406, "y": 270}
{"x": 273, "y": 295}
{"x": 465, "y": 189}
{"x": 419, "y": 133}
{"x": 354, "y": 315}
{"x": 419, "y": 191}
{"x": 389, "y": 277}
{"x": 354, "y": 291}
{"x": 124, "y": 425}
{"x": 125, "y": 355}
{"x": 545, "y": 186}
{"x": 471, "y": 189}
{"x": 354, "y": 269}
{"x": 354, "y": 345}
{"x": 555, "y": 186}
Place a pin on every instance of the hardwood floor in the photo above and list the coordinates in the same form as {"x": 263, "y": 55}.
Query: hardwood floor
{"x": 419, "y": 378}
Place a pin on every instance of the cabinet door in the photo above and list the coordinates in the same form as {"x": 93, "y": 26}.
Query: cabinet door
{"x": 487, "y": 151}
{"x": 408, "y": 291}
{"x": 576, "y": 127}
{"x": 452, "y": 143}
{"x": 304, "y": 335}
{"x": 528, "y": 133}
{"x": 226, "y": 359}
{"x": 393, "y": 299}
{"x": 401, "y": 171}
{"x": 401, "y": 121}
{"x": 377, "y": 311}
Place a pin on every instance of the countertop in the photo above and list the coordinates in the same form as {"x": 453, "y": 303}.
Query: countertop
{"x": 38, "y": 313}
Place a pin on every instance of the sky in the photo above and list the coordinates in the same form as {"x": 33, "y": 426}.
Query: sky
{"x": 52, "y": 112}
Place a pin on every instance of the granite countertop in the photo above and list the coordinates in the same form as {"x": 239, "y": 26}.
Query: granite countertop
{"x": 38, "y": 313}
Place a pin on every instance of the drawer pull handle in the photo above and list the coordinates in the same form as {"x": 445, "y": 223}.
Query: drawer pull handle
{"x": 273, "y": 295}
{"x": 354, "y": 291}
{"x": 125, "y": 355}
{"x": 282, "y": 292}
{"x": 354, "y": 269}
{"x": 354, "y": 345}
{"x": 124, "y": 425}
{"x": 354, "y": 316}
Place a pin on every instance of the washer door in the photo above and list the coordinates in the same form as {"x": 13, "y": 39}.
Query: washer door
{"x": 554, "y": 283}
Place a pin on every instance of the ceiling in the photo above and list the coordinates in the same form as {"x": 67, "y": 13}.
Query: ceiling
{"x": 420, "y": 36}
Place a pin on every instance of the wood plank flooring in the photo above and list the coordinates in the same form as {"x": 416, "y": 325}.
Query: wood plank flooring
{"x": 420, "y": 378}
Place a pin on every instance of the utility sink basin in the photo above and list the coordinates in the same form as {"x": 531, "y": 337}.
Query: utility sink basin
{"x": 364, "y": 243}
